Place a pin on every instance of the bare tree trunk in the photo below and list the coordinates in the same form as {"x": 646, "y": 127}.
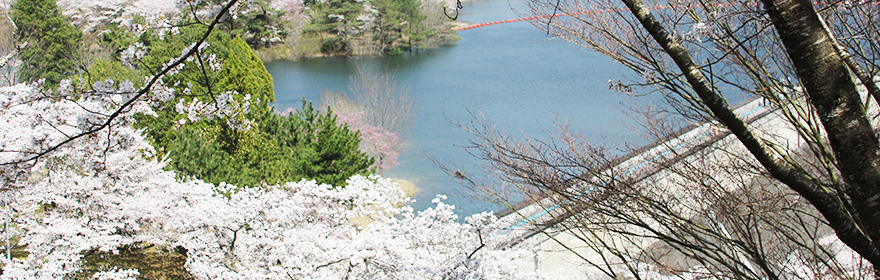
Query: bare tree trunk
{"x": 831, "y": 90}
{"x": 822, "y": 70}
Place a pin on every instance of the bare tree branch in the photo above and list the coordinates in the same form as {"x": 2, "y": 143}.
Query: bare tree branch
{"x": 140, "y": 93}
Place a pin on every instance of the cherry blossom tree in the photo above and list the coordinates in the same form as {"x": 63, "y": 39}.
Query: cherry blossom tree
{"x": 105, "y": 191}
{"x": 375, "y": 141}
{"x": 80, "y": 180}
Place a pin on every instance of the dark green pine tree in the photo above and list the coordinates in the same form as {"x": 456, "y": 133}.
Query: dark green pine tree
{"x": 277, "y": 149}
{"x": 304, "y": 145}
{"x": 388, "y": 22}
{"x": 260, "y": 24}
{"x": 401, "y": 25}
{"x": 52, "y": 43}
{"x": 334, "y": 21}
{"x": 245, "y": 73}
{"x": 414, "y": 32}
{"x": 315, "y": 147}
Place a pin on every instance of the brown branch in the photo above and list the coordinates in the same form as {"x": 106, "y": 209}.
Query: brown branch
{"x": 139, "y": 94}
{"x": 829, "y": 205}
{"x": 480, "y": 235}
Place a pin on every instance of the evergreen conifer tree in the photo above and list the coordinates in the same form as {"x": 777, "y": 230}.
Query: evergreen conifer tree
{"x": 52, "y": 43}
{"x": 414, "y": 31}
{"x": 276, "y": 149}
{"x": 401, "y": 25}
{"x": 334, "y": 21}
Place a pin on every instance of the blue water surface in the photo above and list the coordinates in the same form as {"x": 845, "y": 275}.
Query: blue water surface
{"x": 513, "y": 73}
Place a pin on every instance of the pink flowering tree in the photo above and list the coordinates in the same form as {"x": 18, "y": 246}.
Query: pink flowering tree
{"x": 380, "y": 108}
{"x": 375, "y": 141}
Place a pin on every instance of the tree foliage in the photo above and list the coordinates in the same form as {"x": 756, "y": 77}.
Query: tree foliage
{"x": 260, "y": 26}
{"x": 81, "y": 184}
{"x": 52, "y": 43}
{"x": 377, "y": 26}
{"x": 303, "y": 145}
{"x": 258, "y": 23}
{"x": 401, "y": 25}
{"x": 103, "y": 69}
{"x": 336, "y": 22}
{"x": 244, "y": 73}
{"x": 252, "y": 144}
{"x": 107, "y": 195}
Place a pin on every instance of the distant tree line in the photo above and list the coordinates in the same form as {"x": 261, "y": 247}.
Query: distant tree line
{"x": 345, "y": 27}
{"x": 55, "y": 50}
{"x": 386, "y": 26}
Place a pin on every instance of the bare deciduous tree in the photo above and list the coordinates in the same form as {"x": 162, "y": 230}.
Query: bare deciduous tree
{"x": 380, "y": 102}
{"x": 752, "y": 204}
{"x": 702, "y": 209}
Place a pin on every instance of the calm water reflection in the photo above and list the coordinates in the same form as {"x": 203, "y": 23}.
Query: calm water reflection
{"x": 517, "y": 76}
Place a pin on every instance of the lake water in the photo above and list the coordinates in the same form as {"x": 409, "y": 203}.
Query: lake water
{"x": 516, "y": 75}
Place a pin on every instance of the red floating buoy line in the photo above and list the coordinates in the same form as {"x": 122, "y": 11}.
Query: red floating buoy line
{"x": 586, "y": 13}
